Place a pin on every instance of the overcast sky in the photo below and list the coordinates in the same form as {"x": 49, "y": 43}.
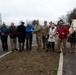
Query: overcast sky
{"x": 50, "y": 10}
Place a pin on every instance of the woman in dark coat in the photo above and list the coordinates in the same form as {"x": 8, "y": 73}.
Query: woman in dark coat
{"x": 4, "y": 37}
{"x": 21, "y": 36}
{"x": 72, "y": 38}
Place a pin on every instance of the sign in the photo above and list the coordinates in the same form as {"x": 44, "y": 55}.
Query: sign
{"x": 74, "y": 24}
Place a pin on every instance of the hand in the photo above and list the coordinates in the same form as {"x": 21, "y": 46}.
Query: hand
{"x": 2, "y": 33}
{"x": 31, "y": 29}
{"x": 63, "y": 33}
{"x": 57, "y": 33}
{"x": 51, "y": 36}
{"x": 46, "y": 36}
{"x": 33, "y": 32}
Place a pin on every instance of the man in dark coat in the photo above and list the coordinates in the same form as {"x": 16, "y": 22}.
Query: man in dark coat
{"x": 13, "y": 36}
{"x": 21, "y": 36}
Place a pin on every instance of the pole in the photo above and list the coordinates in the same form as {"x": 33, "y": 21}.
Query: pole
{"x": 0, "y": 20}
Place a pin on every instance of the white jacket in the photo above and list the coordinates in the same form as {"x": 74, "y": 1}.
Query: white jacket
{"x": 52, "y": 36}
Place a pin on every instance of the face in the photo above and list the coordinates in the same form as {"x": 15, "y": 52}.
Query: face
{"x": 12, "y": 24}
{"x": 37, "y": 22}
{"x": 28, "y": 23}
{"x": 3, "y": 25}
{"x": 61, "y": 23}
{"x": 52, "y": 25}
{"x": 45, "y": 22}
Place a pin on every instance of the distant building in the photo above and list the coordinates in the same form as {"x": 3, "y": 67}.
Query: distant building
{"x": 0, "y": 20}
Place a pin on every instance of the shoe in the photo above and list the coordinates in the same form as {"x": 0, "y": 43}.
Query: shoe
{"x": 43, "y": 48}
{"x": 26, "y": 49}
{"x": 64, "y": 53}
{"x": 37, "y": 49}
{"x": 20, "y": 50}
{"x": 46, "y": 50}
{"x": 16, "y": 49}
{"x": 12, "y": 50}
{"x": 72, "y": 52}
{"x": 59, "y": 51}
{"x": 6, "y": 49}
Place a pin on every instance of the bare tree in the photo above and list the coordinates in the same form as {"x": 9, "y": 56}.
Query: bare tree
{"x": 71, "y": 15}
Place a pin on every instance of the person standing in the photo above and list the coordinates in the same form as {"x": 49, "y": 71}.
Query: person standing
{"x": 29, "y": 29}
{"x": 52, "y": 37}
{"x": 72, "y": 38}
{"x": 21, "y": 36}
{"x": 38, "y": 31}
{"x": 4, "y": 36}
{"x": 13, "y": 36}
{"x": 45, "y": 34}
{"x": 62, "y": 32}
{"x": 0, "y": 33}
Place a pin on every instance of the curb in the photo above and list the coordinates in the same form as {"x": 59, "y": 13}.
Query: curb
{"x": 60, "y": 68}
{"x": 11, "y": 51}
{"x": 5, "y": 54}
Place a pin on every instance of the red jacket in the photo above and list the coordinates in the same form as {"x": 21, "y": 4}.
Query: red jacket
{"x": 62, "y": 32}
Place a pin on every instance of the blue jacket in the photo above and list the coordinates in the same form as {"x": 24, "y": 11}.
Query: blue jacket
{"x": 5, "y": 33}
{"x": 0, "y": 33}
{"x": 29, "y": 30}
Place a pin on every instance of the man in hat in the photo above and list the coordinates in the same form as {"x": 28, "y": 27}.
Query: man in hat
{"x": 62, "y": 32}
{"x": 21, "y": 36}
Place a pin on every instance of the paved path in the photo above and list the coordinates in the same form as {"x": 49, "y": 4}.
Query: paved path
{"x": 69, "y": 66}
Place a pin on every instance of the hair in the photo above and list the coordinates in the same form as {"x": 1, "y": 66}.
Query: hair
{"x": 37, "y": 21}
{"x": 45, "y": 21}
{"x": 22, "y": 23}
{"x": 60, "y": 20}
{"x": 4, "y": 26}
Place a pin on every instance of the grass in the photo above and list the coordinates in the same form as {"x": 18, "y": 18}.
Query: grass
{"x": 29, "y": 63}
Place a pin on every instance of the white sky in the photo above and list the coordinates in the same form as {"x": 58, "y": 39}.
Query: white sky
{"x": 50, "y": 10}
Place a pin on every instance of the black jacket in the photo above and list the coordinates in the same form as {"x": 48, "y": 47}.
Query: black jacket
{"x": 21, "y": 33}
{"x": 13, "y": 32}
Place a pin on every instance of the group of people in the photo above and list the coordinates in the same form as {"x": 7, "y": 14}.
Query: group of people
{"x": 21, "y": 32}
{"x": 46, "y": 36}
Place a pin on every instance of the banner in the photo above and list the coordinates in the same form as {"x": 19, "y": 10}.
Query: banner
{"x": 74, "y": 24}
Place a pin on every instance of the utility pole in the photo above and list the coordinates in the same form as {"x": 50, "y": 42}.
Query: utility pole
{"x": 0, "y": 20}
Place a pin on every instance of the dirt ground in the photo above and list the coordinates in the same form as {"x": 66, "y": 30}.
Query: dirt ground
{"x": 29, "y": 63}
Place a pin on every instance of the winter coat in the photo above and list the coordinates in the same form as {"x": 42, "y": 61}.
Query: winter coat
{"x": 21, "y": 33}
{"x": 38, "y": 30}
{"x": 0, "y": 33}
{"x": 62, "y": 31}
{"x": 13, "y": 32}
{"x": 45, "y": 30}
{"x": 29, "y": 30}
{"x": 4, "y": 33}
{"x": 52, "y": 34}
